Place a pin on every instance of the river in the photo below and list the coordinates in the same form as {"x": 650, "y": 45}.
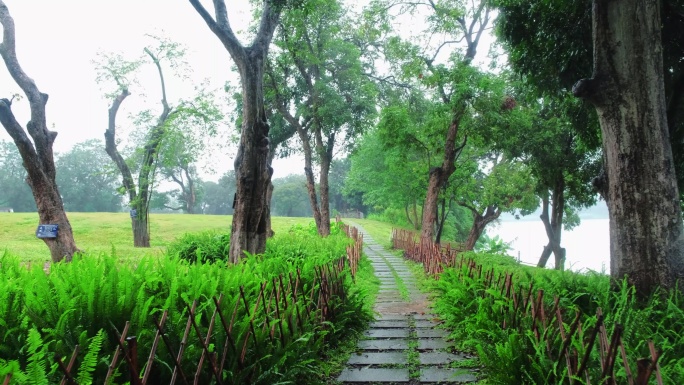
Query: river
{"x": 587, "y": 245}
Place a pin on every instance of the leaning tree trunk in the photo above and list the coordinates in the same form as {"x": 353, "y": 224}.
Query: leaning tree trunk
{"x": 310, "y": 180}
{"x": 252, "y": 169}
{"x": 36, "y": 152}
{"x": 439, "y": 176}
{"x": 646, "y": 231}
{"x": 480, "y": 222}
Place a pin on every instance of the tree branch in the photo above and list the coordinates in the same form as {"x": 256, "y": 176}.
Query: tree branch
{"x": 221, "y": 28}
{"x": 113, "y": 151}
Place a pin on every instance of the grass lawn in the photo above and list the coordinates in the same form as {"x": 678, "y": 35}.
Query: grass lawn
{"x": 101, "y": 232}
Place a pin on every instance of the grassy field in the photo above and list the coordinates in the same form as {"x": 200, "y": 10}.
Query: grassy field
{"x": 101, "y": 232}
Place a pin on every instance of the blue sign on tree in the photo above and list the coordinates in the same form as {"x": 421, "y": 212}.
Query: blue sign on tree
{"x": 134, "y": 213}
{"x": 47, "y": 231}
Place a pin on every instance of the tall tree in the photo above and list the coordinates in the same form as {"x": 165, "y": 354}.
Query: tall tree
{"x": 87, "y": 179}
{"x": 448, "y": 23}
{"x": 639, "y": 184}
{"x": 252, "y": 170}
{"x": 35, "y": 151}
{"x": 163, "y": 127}
{"x": 139, "y": 197}
{"x": 319, "y": 87}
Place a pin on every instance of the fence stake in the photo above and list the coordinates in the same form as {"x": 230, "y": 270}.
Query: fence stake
{"x": 204, "y": 348}
{"x": 150, "y": 359}
{"x": 67, "y": 378}
{"x": 184, "y": 342}
{"x": 608, "y": 372}
{"x": 115, "y": 359}
{"x": 175, "y": 360}
{"x": 132, "y": 358}
{"x": 654, "y": 362}
{"x": 67, "y": 370}
{"x": 229, "y": 337}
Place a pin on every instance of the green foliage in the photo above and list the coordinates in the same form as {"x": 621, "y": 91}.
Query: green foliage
{"x": 207, "y": 246}
{"x": 514, "y": 355}
{"x": 85, "y": 302}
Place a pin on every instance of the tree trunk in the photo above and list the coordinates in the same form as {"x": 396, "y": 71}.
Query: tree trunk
{"x": 326, "y": 160}
{"x": 640, "y": 188}
{"x": 311, "y": 182}
{"x": 416, "y": 224}
{"x": 141, "y": 226}
{"x": 480, "y": 222}
{"x": 252, "y": 169}
{"x": 554, "y": 226}
{"x": 36, "y": 153}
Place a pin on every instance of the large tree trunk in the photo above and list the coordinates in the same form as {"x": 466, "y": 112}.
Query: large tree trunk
{"x": 439, "y": 176}
{"x": 252, "y": 170}
{"x": 553, "y": 226}
{"x": 141, "y": 227}
{"x": 37, "y": 154}
{"x": 480, "y": 222}
{"x": 639, "y": 186}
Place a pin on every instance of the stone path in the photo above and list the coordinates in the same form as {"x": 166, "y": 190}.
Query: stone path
{"x": 403, "y": 345}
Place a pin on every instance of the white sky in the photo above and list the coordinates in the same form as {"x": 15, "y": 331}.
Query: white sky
{"x": 57, "y": 41}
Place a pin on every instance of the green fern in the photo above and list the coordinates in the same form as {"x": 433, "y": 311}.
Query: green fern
{"x": 36, "y": 352}
{"x": 85, "y": 371}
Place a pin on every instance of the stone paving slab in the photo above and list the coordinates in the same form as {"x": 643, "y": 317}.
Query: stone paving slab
{"x": 384, "y": 358}
{"x": 390, "y": 324}
{"x": 439, "y": 358}
{"x": 431, "y": 333}
{"x": 396, "y": 344}
{"x": 424, "y": 317}
{"x": 422, "y": 324}
{"x": 451, "y": 376}
{"x": 387, "y": 333}
{"x": 391, "y": 317}
{"x": 370, "y": 375}
{"x": 432, "y": 344}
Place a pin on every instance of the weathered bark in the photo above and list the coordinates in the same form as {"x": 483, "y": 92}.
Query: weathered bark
{"x": 37, "y": 156}
{"x": 252, "y": 170}
{"x": 553, "y": 226}
{"x": 627, "y": 91}
{"x": 439, "y": 176}
{"x": 480, "y": 222}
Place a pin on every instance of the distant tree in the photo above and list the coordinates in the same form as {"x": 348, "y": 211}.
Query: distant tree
{"x": 190, "y": 138}
{"x": 499, "y": 185}
{"x": 14, "y": 191}
{"x": 168, "y": 126}
{"x": 36, "y": 151}
{"x": 218, "y": 197}
{"x": 87, "y": 179}
{"x": 290, "y": 197}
